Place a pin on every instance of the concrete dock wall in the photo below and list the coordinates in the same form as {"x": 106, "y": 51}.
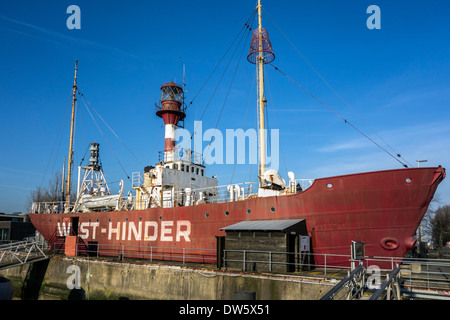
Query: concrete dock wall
{"x": 60, "y": 277}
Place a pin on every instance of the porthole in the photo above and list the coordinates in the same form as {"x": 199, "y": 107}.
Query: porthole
{"x": 227, "y": 213}
{"x": 408, "y": 180}
{"x": 140, "y": 218}
{"x": 389, "y": 243}
{"x": 249, "y": 211}
{"x": 96, "y": 220}
{"x": 207, "y": 214}
{"x": 330, "y": 185}
{"x": 109, "y": 219}
{"x": 126, "y": 219}
{"x": 160, "y": 218}
{"x": 272, "y": 209}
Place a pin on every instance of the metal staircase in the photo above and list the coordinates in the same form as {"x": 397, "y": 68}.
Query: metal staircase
{"x": 428, "y": 280}
{"x": 349, "y": 288}
{"x": 57, "y": 244}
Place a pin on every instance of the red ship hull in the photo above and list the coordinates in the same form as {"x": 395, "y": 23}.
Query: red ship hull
{"x": 383, "y": 209}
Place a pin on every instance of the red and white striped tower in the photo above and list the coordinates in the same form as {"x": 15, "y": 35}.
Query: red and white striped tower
{"x": 172, "y": 113}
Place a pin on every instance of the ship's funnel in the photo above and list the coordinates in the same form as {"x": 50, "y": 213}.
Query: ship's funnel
{"x": 260, "y": 43}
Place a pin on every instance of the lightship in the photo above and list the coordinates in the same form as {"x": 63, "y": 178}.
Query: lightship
{"x": 176, "y": 205}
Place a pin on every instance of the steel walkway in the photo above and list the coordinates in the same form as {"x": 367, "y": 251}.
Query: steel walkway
{"x": 22, "y": 252}
{"x": 422, "y": 280}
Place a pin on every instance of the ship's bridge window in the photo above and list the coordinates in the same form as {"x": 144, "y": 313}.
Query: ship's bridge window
{"x": 175, "y": 166}
{"x": 192, "y": 169}
{"x": 187, "y": 169}
{"x": 182, "y": 167}
{"x": 197, "y": 171}
{"x": 202, "y": 172}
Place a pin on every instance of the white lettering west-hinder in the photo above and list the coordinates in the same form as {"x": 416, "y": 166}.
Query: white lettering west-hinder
{"x": 164, "y": 231}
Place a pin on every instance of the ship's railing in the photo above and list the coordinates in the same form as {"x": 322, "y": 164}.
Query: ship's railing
{"x": 137, "y": 180}
{"x": 228, "y": 193}
{"x": 178, "y": 154}
{"x": 303, "y": 184}
{"x": 218, "y": 194}
{"x": 51, "y": 207}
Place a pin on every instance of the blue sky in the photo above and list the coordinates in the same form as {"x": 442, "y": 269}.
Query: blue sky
{"x": 395, "y": 79}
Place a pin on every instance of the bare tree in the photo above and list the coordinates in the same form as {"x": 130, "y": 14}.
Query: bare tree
{"x": 51, "y": 193}
{"x": 441, "y": 226}
{"x": 54, "y": 187}
{"x": 426, "y": 225}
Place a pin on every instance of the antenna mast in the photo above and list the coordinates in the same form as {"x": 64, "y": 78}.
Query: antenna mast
{"x": 70, "y": 161}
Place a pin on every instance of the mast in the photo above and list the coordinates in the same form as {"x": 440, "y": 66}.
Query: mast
{"x": 261, "y": 99}
{"x": 72, "y": 123}
{"x": 62, "y": 179}
{"x": 260, "y": 54}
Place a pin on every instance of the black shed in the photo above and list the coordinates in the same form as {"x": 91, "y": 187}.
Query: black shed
{"x": 264, "y": 245}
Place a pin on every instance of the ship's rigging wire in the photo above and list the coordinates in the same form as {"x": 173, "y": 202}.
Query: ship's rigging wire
{"x": 85, "y": 153}
{"x": 57, "y": 143}
{"x": 156, "y": 145}
{"x": 245, "y": 26}
{"x": 248, "y": 28}
{"x": 121, "y": 141}
{"x": 245, "y": 121}
{"x": 336, "y": 93}
{"x": 337, "y": 114}
{"x": 96, "y": 124}
{"x": 234, "y": 74}
{"x": 276, "y": 123}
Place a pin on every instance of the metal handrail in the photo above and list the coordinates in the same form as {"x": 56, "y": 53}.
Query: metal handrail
{"x": 51, "y": 207}
{"x": 21, "y": 253}
{"x": 388, "y": 284}
{"x": 152, "y": 252}
{"x": 271, "y": 255}
{"x": 343, "y": 283}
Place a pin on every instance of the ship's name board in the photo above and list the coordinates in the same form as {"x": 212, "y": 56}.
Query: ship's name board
{"x": 165, "y": 231}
